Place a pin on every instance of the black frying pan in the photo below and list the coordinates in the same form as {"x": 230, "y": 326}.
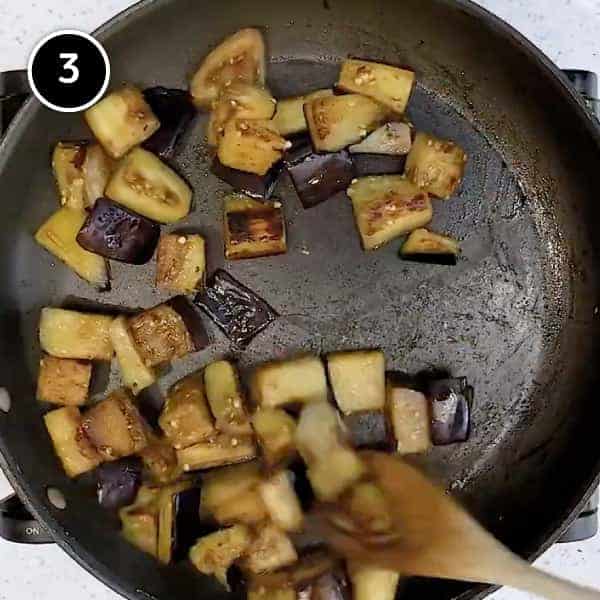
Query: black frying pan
{"x": 517, "y": 316}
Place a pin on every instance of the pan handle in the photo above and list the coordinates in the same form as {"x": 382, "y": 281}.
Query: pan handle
{"x": 14, "y": 90}
{"x": 17, "y": 524}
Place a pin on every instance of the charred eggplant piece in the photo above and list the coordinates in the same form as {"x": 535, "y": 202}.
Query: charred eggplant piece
{"x": 226, "y": 398}
{"x": 146, "y": 185}
{"x": 119, "y": 482}
{"x": 386, "y": 207}
{"x": 67, "y": 165}
{"x": 139, "y": 521}
{"x": 291, "y": 383}
{"x": 368, "y": 429}
{"x": 289, "y": 118}
{"x": 175, "y": 111}
{"x": 219, "y": 451}
{"x": 236, "y": 309}
{"x": 114, "y": 232}
{"x": 436, "y": 165}
{"x": 358, "y": 380}
{"x": 179, "y": 524}
{"x": 335, "y": 122}
{"x": 251, "y": 145}
{"x": 58, "y": 235}
{"x": 270, "y": 550}
{"x": 75, "y": 452}
{"x": 115, "y": 427}
{"x": 255, "y": 186}
{"x": 451, "y": 401}
{"x": 388, "y": 85}
{"x": 275, "y": 431}
{"x": 97, "y": 169}
{"x": 428, "y": 247}
{"x": 181, "y": 262}
{"x": 63, "y": 381}
{"x": 122, "y": 120}
{"x": 186, "y": 418}
{"x": 73, "y": 334}
{"x": 391, "y": 139}
{"x": 238, "y": 58}
{"x": 253, "y": 228}
{"x": 369, "y": 583}
{"x": 378, "y": 164}
{"x": 317, "y": 177}
{"x": 216, "y": 552}
{"x": 192, "y": 321}
{"x": 160, "y": 460}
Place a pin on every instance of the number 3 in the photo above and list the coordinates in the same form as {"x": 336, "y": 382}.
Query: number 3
{"x": 70, "y": 58}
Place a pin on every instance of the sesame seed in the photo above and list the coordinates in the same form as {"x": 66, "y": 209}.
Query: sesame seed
{"x": 181, "y": 239}
{"x": 276, "y": 204}
{"x": 237, "y": 403}
{"x": 234, "y": 442}
{"x": 287, "y": 145}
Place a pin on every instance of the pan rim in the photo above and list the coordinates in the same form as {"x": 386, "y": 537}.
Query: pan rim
{"x": 25, "y": 491}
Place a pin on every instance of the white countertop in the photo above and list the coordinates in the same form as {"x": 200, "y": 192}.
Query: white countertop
{"x": 567, "y": 31}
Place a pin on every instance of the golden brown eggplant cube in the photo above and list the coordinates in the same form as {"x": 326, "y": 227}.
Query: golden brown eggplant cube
{"x": 181, "y": 263}
{"x": 64, "y": 381}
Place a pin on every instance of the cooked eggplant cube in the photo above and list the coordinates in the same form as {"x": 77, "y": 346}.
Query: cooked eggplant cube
{"x": 369, "y": 583}
{"x": 386, "y": 207}
{"x": 63, "y": 381}
{"x": 238, "y": 58}
{"x": 335, "y": 122}
{"x": 175, "y": 111}
{"x": 251, "y": 145}
{"x": 428, "y": 247}
{"x": 238, "y": 101}
{"x": 409, "y": 413}
{"x": 275, "y": 430}
{"x": 317, "y": 177}
{"x": 160, "y": 335}
{"x": 368, "y": 429}
{"x": 119, "y": 482}
{"x": 270, "y": 550}
{"x": 181, "y": 262}
{"x": 237, "y": 310}
{"x": 76, "y": 454}
{"x": 72, "y": 334}
{"x": 262, "y": 593}
{"x": 368, "y": 507}
{"x": 223, "y": 486}
{"x": 139, "y": 521}
{"x": 391, "y": 86}
{"x": 297, "y": 381}
{"x": 436, "y": 165}
{"x": 213, "y": 554}
{"x": 58, "y": 235}
{"x": 114, "y": 232}
{"x": 219, "y": 451}
{"x": 358, "y": 380}
{"x": 283, "y": 505}
{"x": 378, "y": 164}
{"x": 115, "y": 427}
{"x": 255, "y": 186}
{"x": 134, "y": 372}
{"x": 247, "y": 508}
{"x": 319, "y": 432}
{"x": 450, "y": 401}
{"x": 160, "y": 460}
{"x": 253, "y": 228}
{"x": 122, "y": 120}
{"x": 226, "y": 399}
{"x": 186, "y": 418}
{"x": 146, "y": 185}
{"x": 289, "y": 118}
{"x": 67, "y": 165}
{"x": 192, "y": 321}
{"x": 391, "y": 139}
{"x": 333, "y": 475}
{"x": 97, "y": 169}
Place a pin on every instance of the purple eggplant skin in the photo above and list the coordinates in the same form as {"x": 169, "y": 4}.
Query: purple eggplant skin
{"x": 317, "y": 177}
{"x": 369, "y": 429}
{"x": 451, "y": 403}
{"x": 150, "y": 402}
{"x": 115, "y": 232}
{"x": 330, "y": 587}
{"x": 118, "y": 482}
{"x": 187, "y": 525}
{"x": 192, "y": 321}
{"x": 236, "y": 310}
{"x": 378, "y": 164}
{"x": 175, "y": 111}
{"x": 255, "y": 186}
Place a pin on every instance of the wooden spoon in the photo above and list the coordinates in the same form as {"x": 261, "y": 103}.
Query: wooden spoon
{"x": 434, "y": 537}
